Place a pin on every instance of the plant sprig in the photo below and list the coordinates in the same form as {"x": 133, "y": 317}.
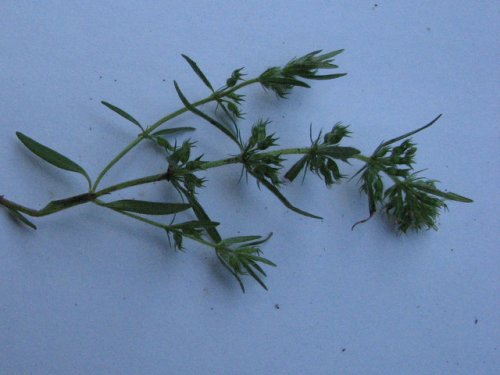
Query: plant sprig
{"x": 387, "y": 177}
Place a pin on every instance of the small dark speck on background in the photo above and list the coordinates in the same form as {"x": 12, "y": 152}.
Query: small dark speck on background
{"x": 277, "y": 306}
{"x": 476, "y": 321}
{"x": 343, "y": 350}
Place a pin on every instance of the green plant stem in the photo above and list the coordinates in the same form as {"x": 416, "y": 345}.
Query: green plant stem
{"x": 131, "y": 183}
{"x": 93, "y": 197}
{"x": 59, "y": 205}
{"x": 238, "y": 158}
{"x": 17, "y": 207}
{"x": 157, "y": 224}
{"x": 214, "y": 97}
{"x": 363, "y": 158}
{"x": 52, "y": 207}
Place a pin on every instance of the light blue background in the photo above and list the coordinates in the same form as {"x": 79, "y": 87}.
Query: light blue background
{"x": 93, "y": 293}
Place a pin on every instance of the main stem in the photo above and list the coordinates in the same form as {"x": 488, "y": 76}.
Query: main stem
{"x": 59, "y": 205}
{"x": 214, "y": 97}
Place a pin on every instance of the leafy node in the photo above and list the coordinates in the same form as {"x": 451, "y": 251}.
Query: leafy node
{"x": 321, "y": 158}
{"x": 282, "y": 80}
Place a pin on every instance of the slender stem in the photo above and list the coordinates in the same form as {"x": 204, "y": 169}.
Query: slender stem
{"x": 15, "y": 206}
{"x": 127, "y": 184}
{"x": 157, "y": 224}
{"x": 214, "y": 97}
{"x": 220, "y": 163}
{"x": 59, "y": 205}
{"x": 361, "y": 157}
{"x": 289, "y": 151}
{"x": 114, "y": 161}
{"x": 238, "y": 159}
{"x": 52, "y": 207}
{"x": 201, "y": 240}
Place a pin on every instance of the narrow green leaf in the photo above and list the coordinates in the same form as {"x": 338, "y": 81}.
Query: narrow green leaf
{"x": 51, "y": 156}
{"x": 239, "y": 239}
{"x": 260, "y": 241}
{"x": 228, "y": 267}
{"x": 256, "y": 266}
{"x": 199, "y": 212}
{"x": 329, "y": 55}
{"x": 163, "y": 143}
{"x": 22, "y": 218}
{"x": 295, "y": 169}
{"x": 231, "y": 117}
{"x": 198, "y": 72}
{"x": 54, "y": 206}
{"x": 204, "y": 116}
{"x": 358, "y": 172}
{"x": 264, "y": 260}
{"x": 252, "y": 273}
{"x": 340, "y": 152}
{"x": 406, "y": 135}
{"x": 202, "y": 216}
{"x": 148, "y": 208}
{"x": 442, "y": 194}
{"x": 122, "y": 113}
{"x": 273, "y": 189}
{"x": 170, "y": 131}
{"x": 288, "y": 81}
{"x": 325, "y": 76}
{"x": 196, "y": 224}
{"x": 60, "y": 204}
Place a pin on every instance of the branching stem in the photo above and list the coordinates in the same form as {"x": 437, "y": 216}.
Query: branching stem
{"x": 214, "y": 97}
{"x": 60, "y": 205}
{"x": 413, "y": 201}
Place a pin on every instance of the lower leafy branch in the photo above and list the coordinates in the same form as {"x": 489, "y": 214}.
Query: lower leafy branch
{"x": 387, "y": 177}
